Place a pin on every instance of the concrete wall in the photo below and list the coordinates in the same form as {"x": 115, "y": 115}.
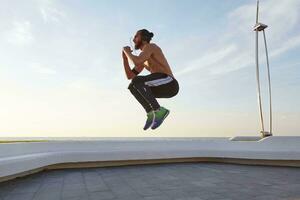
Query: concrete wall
{"x": 17, "y": 159}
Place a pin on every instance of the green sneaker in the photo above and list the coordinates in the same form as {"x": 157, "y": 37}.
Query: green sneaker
{"x": 159, "y": 116}
{"x": 150, "y": 118}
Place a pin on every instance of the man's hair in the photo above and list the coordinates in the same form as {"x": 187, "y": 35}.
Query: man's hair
{"x": 146, "y": 35}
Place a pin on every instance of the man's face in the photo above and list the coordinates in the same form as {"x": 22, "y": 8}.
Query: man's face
{"x": 137, "y": 41}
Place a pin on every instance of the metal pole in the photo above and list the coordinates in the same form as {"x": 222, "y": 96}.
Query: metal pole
{"x": 269, "y": 80}
{"x": 257, "y": 10}
{"x": 258, "y": 85}
{"x": 257, "y": 73}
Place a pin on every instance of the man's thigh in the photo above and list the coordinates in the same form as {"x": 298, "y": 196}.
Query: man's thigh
{"x": 163, "y": 91}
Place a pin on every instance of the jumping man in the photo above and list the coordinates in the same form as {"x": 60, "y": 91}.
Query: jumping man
{"x": 160, "y": 83}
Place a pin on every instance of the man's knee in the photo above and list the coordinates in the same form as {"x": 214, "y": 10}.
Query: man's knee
{"x": 130, "y": 86}
{"x": 137, "y": 80}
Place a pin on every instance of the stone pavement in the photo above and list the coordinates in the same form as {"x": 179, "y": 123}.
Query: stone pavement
{"x": 188, "y": 181}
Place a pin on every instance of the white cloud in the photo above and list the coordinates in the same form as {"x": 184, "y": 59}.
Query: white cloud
{"x": 20, "y": 33}
{"x": 208, "y": 59}
{"x": 288, "y": 45}
{"x": 50, "y": 12}
{"x": 234, "y": 48}
{"x": 281, "y": 16}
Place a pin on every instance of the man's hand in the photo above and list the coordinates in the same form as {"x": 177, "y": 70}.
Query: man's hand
{"x": 129, "y": 73}
{"x": 140, "y": 59}
{"x": 127, "y": 49}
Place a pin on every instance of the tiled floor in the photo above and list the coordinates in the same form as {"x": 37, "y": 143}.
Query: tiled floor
{"x": 198, "y": 181}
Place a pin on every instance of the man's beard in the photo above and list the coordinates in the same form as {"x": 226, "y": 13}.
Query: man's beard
{"x": 137, "y": 46}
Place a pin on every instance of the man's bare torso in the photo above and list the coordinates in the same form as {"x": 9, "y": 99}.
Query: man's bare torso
{"x": 157, "y": 61}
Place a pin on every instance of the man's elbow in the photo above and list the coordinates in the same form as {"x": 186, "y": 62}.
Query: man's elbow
{"x": 130, "y": 77}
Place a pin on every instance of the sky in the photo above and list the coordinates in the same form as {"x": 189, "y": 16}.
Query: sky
{"x": 61, "y": 72}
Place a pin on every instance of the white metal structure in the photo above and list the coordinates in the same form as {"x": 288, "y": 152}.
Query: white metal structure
{"x": 258, "y": 28}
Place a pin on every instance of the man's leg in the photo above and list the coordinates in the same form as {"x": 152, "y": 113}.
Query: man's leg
{"x": 148, "y": 108}
{"x": 143, "y": 94}
{"x": 168, "y": 90}
{"x": 140, "y": 98}
{"x": 138, "y": 83}
{"x": 141, "y": 88}
{"x": 163, "y": 88}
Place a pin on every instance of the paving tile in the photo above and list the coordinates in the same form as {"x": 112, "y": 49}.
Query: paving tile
{"x": 21, "y": 196}
{"x": 75, "y": 186}
{"x": 267, "y": 197}
{"x": 104, "y": 195}
{"x": 123, "y": 191}
{"x": 50, "y": 187}
{"x": 74, "y": 193}
{"x": 26, "y": 188}
{"x": 96, "y": 187}
{"x": 187, "y": 181}
{"x": 158, "y": 197}
{"x": 5, "y": 189}
{"x": 79, "y": 197}
{"x": 47, "y": 195}
{"x": 189, "y": 198}
{"x": 148, "y": 191}
{"x": 54, "y": 179}
{"x": 130, "y": 197}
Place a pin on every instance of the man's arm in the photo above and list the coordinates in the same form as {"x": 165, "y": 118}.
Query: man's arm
{"x": 131, "y": 73}
{"x": 140, "y": 59}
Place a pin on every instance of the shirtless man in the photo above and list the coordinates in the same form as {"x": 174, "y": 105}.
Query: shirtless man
{"x": 160, "y": 83}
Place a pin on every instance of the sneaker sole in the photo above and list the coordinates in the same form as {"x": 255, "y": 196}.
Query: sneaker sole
{"x": 148, "y": 126}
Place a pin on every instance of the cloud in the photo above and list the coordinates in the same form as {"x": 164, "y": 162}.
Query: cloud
{"x": 208, "y": 59}
{"x": 20, "y": 33}
{"x": 234, "y": 49}
{"x": 50, "y": 11}
{"x": 281, "y": 16}
{"x": 291, "y": 43}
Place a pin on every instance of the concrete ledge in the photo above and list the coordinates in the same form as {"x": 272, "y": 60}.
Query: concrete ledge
{"x": 246, "y": 138}
{"x": 73, "y": 165}
{"x": 20, "y": 159}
